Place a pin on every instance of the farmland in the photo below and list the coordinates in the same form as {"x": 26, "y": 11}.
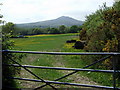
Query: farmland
{"x": 55, "y": 43}
{"x": 99, "y": 33}
{"x": 43, "y": 42}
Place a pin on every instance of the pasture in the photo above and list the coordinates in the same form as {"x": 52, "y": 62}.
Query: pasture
{"x": 43, "y": 42}
{"x": 55, "y": 43}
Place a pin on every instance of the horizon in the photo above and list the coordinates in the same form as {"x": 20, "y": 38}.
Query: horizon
{"x": 49, "y": 20}
{"x": 28, "y": 11}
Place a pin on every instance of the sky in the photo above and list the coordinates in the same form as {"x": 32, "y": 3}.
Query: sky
{"x": 26, "y": 11}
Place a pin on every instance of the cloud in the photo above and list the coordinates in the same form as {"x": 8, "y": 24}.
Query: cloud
{"x": 20, "y": 11}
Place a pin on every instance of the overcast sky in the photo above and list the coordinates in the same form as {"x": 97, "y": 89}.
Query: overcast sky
{"x": 25, "y": 11}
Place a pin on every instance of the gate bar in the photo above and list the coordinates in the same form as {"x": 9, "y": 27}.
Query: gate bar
{"x": 63, "y": 53}
{"x": 64, "y": 83}
{"x": 61, "y": 68}
{"x": 33, "y": 73}
{"x": 77, "y": 71}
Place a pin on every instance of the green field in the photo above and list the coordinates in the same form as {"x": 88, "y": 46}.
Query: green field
{"x": 43, "y": 42}
{"x": 52, "y": 43}
{"x": 55, "y": 43}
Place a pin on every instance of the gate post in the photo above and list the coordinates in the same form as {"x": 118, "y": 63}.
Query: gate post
{"x": 114, "y": 60}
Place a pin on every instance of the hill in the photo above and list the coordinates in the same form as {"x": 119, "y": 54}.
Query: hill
{"x": 63, "y": 20}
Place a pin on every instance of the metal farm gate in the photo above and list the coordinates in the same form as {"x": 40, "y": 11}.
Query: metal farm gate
{"x": 75, "y": 70}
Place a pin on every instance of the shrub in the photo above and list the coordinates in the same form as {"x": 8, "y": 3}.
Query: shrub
{"x": 7, "y": 58}
{"x": 101, "y": 31}
{"x": 79, "y": 45}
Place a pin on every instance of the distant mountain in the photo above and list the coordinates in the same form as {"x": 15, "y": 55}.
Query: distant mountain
{"x": 64, "y": 20}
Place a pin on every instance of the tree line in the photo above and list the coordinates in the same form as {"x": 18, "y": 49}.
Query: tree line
{"x": 62, "y": 29}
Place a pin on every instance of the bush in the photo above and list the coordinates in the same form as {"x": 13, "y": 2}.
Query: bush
{"x": 7, "y": 58}
{"x": 79, "y": 45}
{"x": 101, "y": 31}
{"x": 102, "y": 34}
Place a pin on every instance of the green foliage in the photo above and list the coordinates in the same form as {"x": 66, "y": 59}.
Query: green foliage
{"x": 74, "y": 29}
{"x": 62, "y": 29}
{"x": 101, "y": 31}
{"x": 37, "y": 31}
{"x": 50, "y": 30}
{"x": 54, "y": 31}
{"x": 101, "y": 26}
{"x": 7, "y": 58}
{"x": 8, "y": 28}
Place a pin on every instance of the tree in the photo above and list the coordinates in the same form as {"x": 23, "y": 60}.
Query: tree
{"x": 54, "y": 31}
{"x": 101, "y": 31}
{"x": 8, "y": 28}
{"x": 37, "y": 31}
{"x": 62, "y": 29}
{"x": 47, "y": 30}
{"x": 74, "y": 29}
{"x": 7, "y": 44}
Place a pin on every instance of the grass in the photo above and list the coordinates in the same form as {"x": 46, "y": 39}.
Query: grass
{"x": 42, "y": 43}
{"x": 56, "y": 43}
